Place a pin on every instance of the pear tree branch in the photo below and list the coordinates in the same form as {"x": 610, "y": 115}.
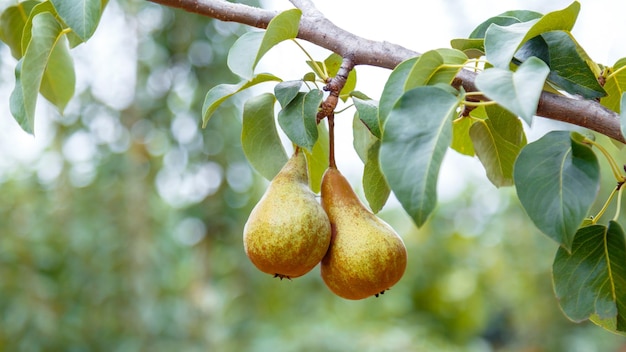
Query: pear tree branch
{"x": 317, "y": 29}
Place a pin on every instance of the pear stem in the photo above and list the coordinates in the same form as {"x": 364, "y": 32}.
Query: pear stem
{"x": 331, "y": 140}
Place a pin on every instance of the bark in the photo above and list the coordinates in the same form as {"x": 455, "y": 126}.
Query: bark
{"x": 317, "y": 29}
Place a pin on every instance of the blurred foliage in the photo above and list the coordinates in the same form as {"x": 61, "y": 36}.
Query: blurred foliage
{"x": 125, "y": 235}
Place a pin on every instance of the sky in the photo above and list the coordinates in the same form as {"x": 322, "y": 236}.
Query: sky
{"x": 107, "y": 60}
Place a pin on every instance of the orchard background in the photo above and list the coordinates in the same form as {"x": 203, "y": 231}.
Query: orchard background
{"x": 121, "y": 219}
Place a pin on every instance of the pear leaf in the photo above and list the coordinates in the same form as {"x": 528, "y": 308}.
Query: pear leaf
{"x": 218, "y": 94}
{"x": 47, "y": 34}
{"x": 518, "y": 91}
{"x": 502, "y": 42}
{"x": 557, "y": 179}
{"x": 590, "y": 280}
{"x": 82, "y": 16}
{"x": 299, "y": 118}
{"x": 415, "y": 138}
{"x": 259, "y": 139}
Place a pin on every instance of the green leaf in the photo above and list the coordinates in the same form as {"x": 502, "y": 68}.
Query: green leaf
{"x": 218, "y": 94}
{"x": 375, "y": 185}
{"x": 368, "y": 113}
{"x": 242, "y": 54}
{"x": 362, "y": 138}
{"x": 367, "y": 147}
{"x": 434, "y": 67}
{"x": 506, "y": 124}
{"x": 518, "y": 91}
{"x": 282, "y": 27}
{"x": 259, "y": 138}
{"x": 12, "y": 23}
{"x": 461, "y": 141}
{"x": 423, "y": 70}
{"x": 615, "y": 85}
{"x": 569, "y": 68}
{"x": 415, "y": 138}
{"x": 494, "y": 152}
{"x": 501, "y": 42}
{"x": 47, "y": 33}
{"x": 394, "y": 88}
{"x": 501, "y": 20}
{"x": 17, "y": 104}
{"x": 248, "y": 50}
{"x": 557, "y": 179}
{"x": 473, "y": 48}
{"x": 590, "y": 281}
{"x": 82, "y": 16}
{"x": 317, "y": 159}
{"x": 299, "y": 118}
{"x": 59, "y": 79}
{"x": 286, "y": 91}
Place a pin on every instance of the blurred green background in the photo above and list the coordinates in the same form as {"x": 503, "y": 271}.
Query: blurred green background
{"x": 121, "y": 230}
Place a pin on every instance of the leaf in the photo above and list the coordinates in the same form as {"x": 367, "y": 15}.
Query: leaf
{"x": 569, "y": 68}
{"x": 590, "y": 281}
{"x": 317, "y": 159}
{"x": 367, "y": 146}
{"x": 12, "y": 23}
{"x": 494, "y": 152}
{"x": 518, "y": 91}
{"x": 59, "y": 79}
{"x": 218, "y": 94}
{"x": 282, "y": 27}
{"x": 82, "y": 16}
{"x": 299, "y": 118}
{"x": 362, "y": 138}
{"x": 368, "y": 113}
{"x": 423, "y": 70}
{"x": 259, "y": 138}
{"x": 47, "y": 33}
{"x": 615, "y": 85}
{"x": 434, "y": 67}
{"x": 394, "y": 88}
{"x": 242, "y": 54}
{"x": 506, "y": 124}
{"x": 501, "y": 42}
{"x": 248, "y": 50}
{"x": 473, "y": 48}
{"x": 286, "y": 91}
{"x": 375, "y": 186}
{"x": 461, "y": 141}
{"x": 557, "y": 179}
{"x": 415, "y": 138}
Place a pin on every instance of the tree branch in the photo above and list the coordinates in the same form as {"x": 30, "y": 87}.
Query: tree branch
{"x": 317, "y": 29}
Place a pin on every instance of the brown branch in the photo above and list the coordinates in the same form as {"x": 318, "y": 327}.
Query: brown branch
{"x": 317, "y": 29}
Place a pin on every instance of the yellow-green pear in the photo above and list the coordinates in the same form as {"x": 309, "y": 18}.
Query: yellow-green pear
{"x": 288, "y": 232}
{"x": 366, "y": 256}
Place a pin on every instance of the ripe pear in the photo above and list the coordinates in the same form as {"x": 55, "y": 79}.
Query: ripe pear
{"x": 288, "y": 232}
{"x": 366, "y": 256}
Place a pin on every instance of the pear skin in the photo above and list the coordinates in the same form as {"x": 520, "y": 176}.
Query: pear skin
{"x": 366, "y": 256}
{"x": 288, "y": 232}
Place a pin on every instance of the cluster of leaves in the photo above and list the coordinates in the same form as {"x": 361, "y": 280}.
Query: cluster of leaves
{"x": 40, "y": 34}
{"x": 403, "y": 137}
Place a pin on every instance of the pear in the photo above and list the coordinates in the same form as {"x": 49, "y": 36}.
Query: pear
{"x": 287, "y": 232}
{"x": 366, "y": 256}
